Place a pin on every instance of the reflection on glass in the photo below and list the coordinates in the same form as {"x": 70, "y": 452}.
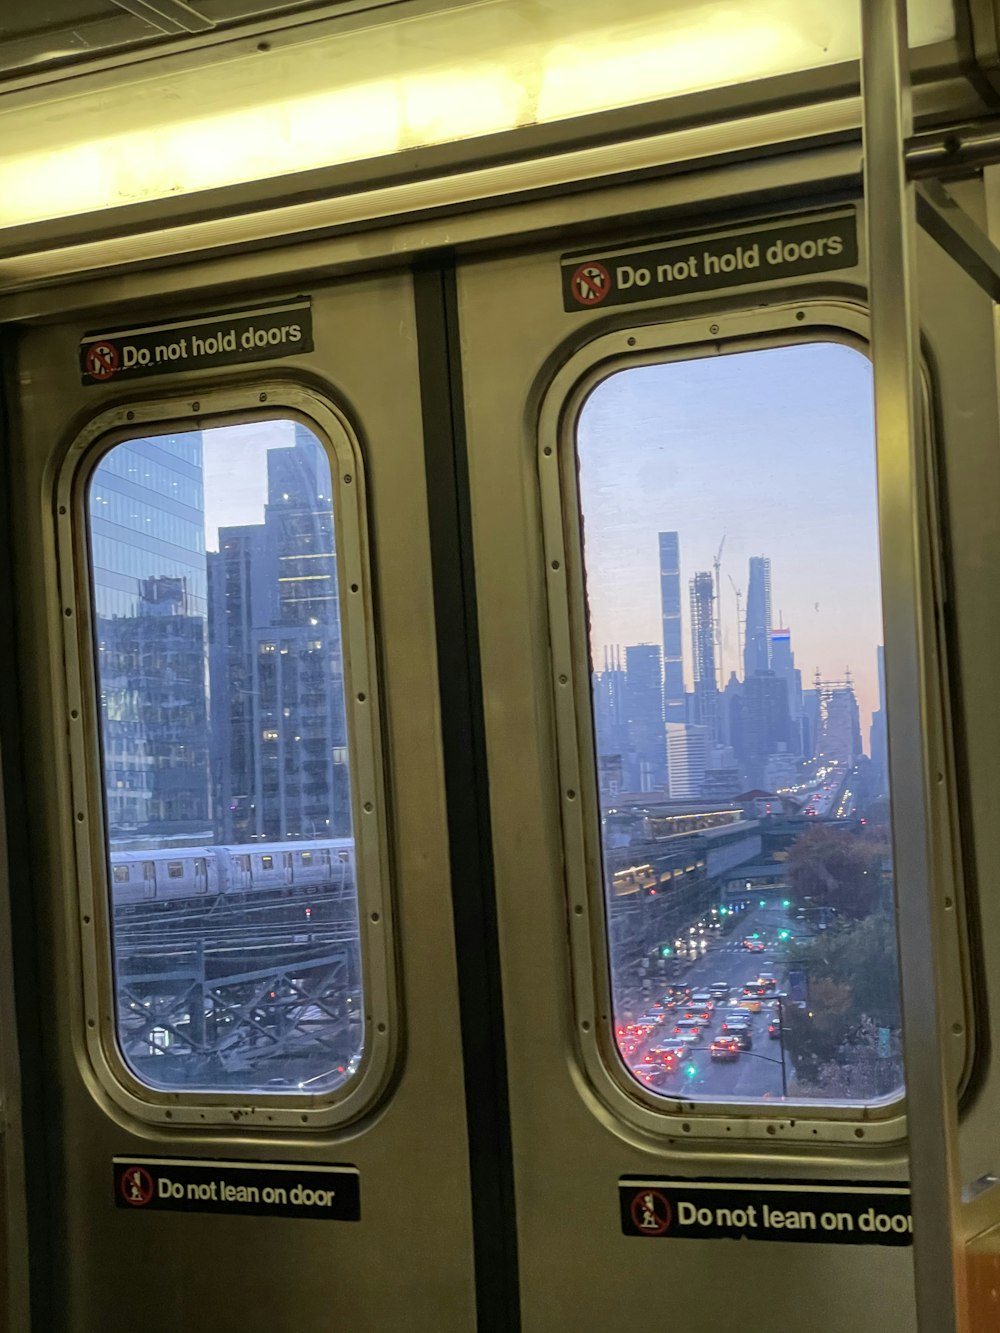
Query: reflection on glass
{"x": 732, "y": 569}
{"x": 224, "y": 744}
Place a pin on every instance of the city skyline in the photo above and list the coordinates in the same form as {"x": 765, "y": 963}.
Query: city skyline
{"x": 773, "y": 450}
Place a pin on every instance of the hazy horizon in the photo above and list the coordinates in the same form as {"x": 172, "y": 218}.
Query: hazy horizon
{"x": 772, "y": 449}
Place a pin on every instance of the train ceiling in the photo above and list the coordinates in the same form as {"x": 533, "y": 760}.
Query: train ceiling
{"x": 60, "y": 35}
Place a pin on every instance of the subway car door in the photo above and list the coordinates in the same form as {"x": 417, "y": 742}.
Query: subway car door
{"x": 236, "y": 979}
{"x": 685, "y": 620}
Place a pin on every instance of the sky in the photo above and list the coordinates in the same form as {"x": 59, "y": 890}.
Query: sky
{"x": 773, "y": 450}
{"x": 235, "y": 473}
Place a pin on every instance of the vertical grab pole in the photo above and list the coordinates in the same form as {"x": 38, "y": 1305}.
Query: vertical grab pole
{"x": 909, "y": 625}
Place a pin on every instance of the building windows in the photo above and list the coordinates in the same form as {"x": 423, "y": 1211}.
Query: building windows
{"x": 731, "y": 573}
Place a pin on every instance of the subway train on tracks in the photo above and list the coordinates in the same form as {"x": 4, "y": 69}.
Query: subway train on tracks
{"x": 193, "y": 872}
{"x": 499, "y": 498}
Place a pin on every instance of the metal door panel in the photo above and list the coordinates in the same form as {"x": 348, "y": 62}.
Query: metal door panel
{"x": 569, "y": 1147}
{"x": 409, "y": 1258}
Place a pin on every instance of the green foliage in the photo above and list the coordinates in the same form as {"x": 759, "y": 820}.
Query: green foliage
{"x": 835, "y": 868}
{"x": 853, "y": 987}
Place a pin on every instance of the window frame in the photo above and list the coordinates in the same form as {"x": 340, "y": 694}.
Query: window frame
{"x": 89, "y": 910}
{"x": 719, "y": 332}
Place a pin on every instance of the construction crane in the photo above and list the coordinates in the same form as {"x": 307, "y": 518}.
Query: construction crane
{"x": 739, "y": 621}
{"x": 717, "y": 563}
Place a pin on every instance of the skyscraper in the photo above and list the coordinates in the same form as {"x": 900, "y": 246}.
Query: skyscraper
{"x": 609, "y": 706}
{"x": 783, "y": 666}
{"x": 757, "y": 641}
{"x": 764, "y": 723}
{"x": 280, "y": 752}
{"x": 147, "y": 535}
{"x": 706, "y": 691}
{"x": 839, "y": 733}
{"x": 687, "y": 759}
{"x": 877, "y": 736}
{"x": 644, "y": 717}
{"x": 670, "y": 607}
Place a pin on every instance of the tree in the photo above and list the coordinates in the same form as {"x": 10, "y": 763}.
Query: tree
{"x": 853, "y": 991}
{"x": 836, "y": 868}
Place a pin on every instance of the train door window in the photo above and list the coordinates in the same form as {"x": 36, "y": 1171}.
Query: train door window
{"x": 120, "y": 874}
{"x": 236, "y": 544}
{"x": 728, "y": 513}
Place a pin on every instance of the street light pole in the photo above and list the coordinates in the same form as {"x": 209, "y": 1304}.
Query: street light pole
{"x": 781, "y": 1044}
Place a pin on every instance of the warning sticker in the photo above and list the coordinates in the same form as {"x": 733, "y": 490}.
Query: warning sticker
{"x": 258, "y": 1189}
{"x": 228, "y": 338}
{"x": 817, "y": 1212}
{"x": 709, "y": 263}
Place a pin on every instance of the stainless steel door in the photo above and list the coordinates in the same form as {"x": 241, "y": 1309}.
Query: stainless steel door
{"x": 535, "y": 352}
{"x": 409, "y": 1257}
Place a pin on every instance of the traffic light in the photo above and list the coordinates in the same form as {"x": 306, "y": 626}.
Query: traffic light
{"x": 784, "y": 934}
{"x": 667, "y": 952}
{"x": 786, "y": 902}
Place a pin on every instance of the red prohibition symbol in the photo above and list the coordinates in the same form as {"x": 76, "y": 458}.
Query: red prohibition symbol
{"x": 102, "y": 361}
{"x": 651, "y": 1212}
{"x": 590, "y": 283}
{"x": 136, "y": 1186}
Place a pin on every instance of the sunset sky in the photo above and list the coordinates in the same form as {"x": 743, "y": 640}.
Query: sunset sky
{"x": 773, "y": 450}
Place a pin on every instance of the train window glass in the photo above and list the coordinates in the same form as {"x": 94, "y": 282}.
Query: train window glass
{"x": 207, "y": 550}
{"x": 731, "y": 568}
{"x": 148, "y": 870}
{"x": 307, "y": 858}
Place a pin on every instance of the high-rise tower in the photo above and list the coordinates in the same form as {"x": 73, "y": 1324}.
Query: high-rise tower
{"x": 757, "y": 643}
{"x": 670, "y": 607}
{"x": 706, "y": 692}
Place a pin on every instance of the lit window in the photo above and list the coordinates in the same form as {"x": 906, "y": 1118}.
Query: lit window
{"x": 733, "y": 603}
{"x": 120, "y": 874}
{"x": 267, "y": 862}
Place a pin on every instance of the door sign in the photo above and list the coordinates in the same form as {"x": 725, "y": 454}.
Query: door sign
{"x": 817, "y": 1212}
{"x": 256, "y": 1189}
{"x": 709, "y": 263}
{"x": 229, "y": 338}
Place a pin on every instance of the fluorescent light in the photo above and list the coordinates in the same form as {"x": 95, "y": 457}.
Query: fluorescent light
{"x": 405, "y": 83}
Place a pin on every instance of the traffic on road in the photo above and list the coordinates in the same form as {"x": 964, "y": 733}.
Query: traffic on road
{"x": 712, "y": 1025}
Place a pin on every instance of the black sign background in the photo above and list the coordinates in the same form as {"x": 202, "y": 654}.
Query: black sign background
{"x": 231, "y": 337}
{"x": 826, "y": 1213}
{"x": 255, "y": 1189}
{"x": 710, "y": 263}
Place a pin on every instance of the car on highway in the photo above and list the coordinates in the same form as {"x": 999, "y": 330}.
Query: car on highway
{"x": 754, "y": 946}
{"x": 774, "y": 1029}
{"x": 724, "y": 1048}
{"x": 751, "y": 1003}
{"x": 719, "y": 990}
{"x": 737, "y": 1019}
{"x": 691, "y": 1029}
{"x": 654, "y": 1076}
{"x": 741, "y": 1035}
{"x": 669, "y": 1055}
{"x": 768, "y": 980}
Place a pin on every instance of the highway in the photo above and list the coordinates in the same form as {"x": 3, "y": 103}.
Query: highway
{"x": 755, "y": 1074}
